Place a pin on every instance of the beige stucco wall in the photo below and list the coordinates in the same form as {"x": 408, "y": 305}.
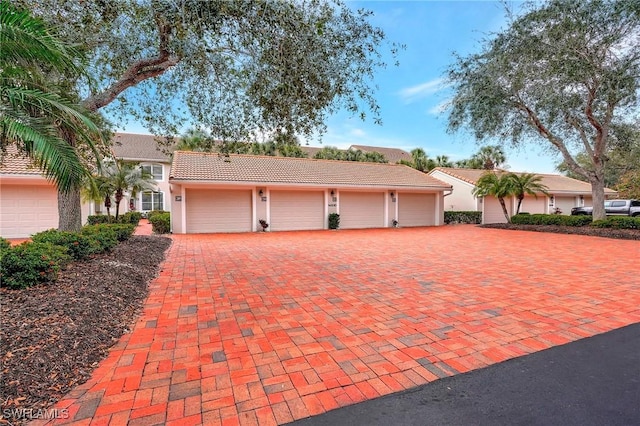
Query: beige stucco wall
{"x": 461, "y": 199}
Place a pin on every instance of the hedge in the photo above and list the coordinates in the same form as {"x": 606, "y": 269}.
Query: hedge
{"x": 78, "y": 246}
{"x": 550, "y": 219}
{"x": 32, "y": 263}
{"x": 160, "y": 222}
{"x": 618, "y": 222}
{"x": 472, "y": 217}
{"x": 128, "y": 217}
{"x": 103, "y": 237}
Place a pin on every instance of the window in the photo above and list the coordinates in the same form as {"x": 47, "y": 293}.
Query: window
{"x": 618, "y": 203}
{"x": 635, "y": 203}
{"x": 152, "y": 201}
{"x": 154, "y": 169}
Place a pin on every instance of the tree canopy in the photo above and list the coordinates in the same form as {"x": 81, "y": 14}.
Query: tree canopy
{"x": 239, "y": 68}
{"x": 562, "y": 72}
{"x": 34, "y": 110}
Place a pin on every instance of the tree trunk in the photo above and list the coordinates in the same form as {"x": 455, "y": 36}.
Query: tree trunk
{"x": 519, "y": 204}
{"x": 69, "y": 210}
{"x": 504, "y": 209}
{"x": 597, "y": 193}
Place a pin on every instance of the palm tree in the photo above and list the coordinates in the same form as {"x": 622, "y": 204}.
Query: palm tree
{"x": 115, "y": 180}
{"x": 33, "y": 109}
{"x": 421, "y": 160}
{"x": 443, "y": 161}
{"x": 526, "y": 183}
{"x": 489, "y": 157}
{"x": 497, "y": 185}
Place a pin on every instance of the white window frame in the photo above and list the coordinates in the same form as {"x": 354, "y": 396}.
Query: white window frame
{"x": 153, "y": 201}
{"x": 149, "y": 168}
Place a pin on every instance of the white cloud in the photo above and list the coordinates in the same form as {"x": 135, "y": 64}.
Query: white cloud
{"x": 440, "y": 108}
{"x": 358, "y": 133}
{"x": 430, "y": 87}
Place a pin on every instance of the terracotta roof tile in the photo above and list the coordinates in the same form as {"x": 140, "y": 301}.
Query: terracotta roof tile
{"x": 15, "y": 163}
{"x": 393, "y": 155}
{"x": 555, "y": 183}
{"x": 131, "y": 146}
{"x": 207, "y": 167}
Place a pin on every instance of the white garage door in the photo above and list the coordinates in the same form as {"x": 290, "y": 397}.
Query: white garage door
{"x": 565, "y": 204}
{"x": 297, "y": 210}
{"x": 361, "y": 210}
{"x": 534, "y": 205}
{"x": 416, "y": 209}
{"x": 27, "y": 209}
{"x": 218, "y": 210}
{"x": 492, "y": 210}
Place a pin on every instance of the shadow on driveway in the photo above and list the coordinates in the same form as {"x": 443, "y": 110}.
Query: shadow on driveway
{"x": 594, "y": 381}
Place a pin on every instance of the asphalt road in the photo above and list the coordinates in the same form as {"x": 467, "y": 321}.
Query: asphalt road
{"x": 594, "y": 381}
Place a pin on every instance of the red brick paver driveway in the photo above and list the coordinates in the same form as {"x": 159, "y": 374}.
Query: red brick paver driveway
{"x": 268, "y": 328}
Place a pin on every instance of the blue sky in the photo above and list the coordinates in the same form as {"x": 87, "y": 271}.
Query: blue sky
{"x": 411, "y": 95}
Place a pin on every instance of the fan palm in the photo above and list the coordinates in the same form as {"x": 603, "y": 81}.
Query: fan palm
{"x": 526, "y": 184}
{"x": 497, "y": 185}
{"x": 32, "y": 112}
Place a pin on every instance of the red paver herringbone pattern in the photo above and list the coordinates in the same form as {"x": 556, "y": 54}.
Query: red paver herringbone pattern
{"x": 271, "y": 327}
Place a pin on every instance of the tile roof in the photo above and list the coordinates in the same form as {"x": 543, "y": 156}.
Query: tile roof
{"x": 555, "y": 182}
{"x": 207, "y": 167}
{"x": 393, "y": 155}
{"x": 131, "y": 146}
{"x": 14, "y": 162}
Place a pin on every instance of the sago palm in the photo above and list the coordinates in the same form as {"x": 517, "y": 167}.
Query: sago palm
{"x": 33, "y": 112}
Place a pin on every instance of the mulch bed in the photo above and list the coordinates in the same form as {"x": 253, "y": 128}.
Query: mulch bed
{"x": 621, "y": 234}
{"x": 52, "y": 337}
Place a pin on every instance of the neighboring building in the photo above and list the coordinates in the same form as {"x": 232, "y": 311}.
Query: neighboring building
{"x": 153, "y": 157}
{"x": 564, "y": 194}
{"x": 393, "y": 155}
{"x": 218, "y": 193}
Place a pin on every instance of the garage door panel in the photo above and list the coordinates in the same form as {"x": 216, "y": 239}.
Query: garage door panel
{"x": 361, "y": 210}
{"x": 534, "y": 205}
{"x": 27, "y": 209}
{"x": 492, "y": 210}
{"x": 416, "y": 209}
{"x": 296, "y": 210}
{"x": 213, "y": 211}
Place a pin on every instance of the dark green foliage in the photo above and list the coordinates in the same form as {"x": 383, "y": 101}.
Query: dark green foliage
{"x": 4, "y": 244}
{"x": 123, "y": 231}
{"x": 550, "y": 219}
{"x": 334, "y": 221}
{"x": 97, "y": 219}
{"x": 31, "y": 263}
{"x": 155, "y": 212}
{"x": 618, "y": 222}
{"x": 462, "y": 217}
{"x": 160, "y": 222}
{"x": 103, "y": 237}
{"x": 78, "y": 246}
{"x": 131, "y": 217}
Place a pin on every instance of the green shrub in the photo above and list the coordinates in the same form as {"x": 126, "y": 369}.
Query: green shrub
{"x": 78, "y": 246}
{"x": 131, "y": 217}
{"x": 334, "y": 221}
{"x": 4, "y": 244}
{"x": 123, "y": 231}
{"x": 32, "y": 263}
{"x": 160, "y": 222}
{"x": 550, "y": 219}
{"x": 155, "y": 212}
{"x": 103, "y": 237}
{"x": 618, "y": 222}
{"x": 462, "y": 217}
{"x": 97, "y": 219}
